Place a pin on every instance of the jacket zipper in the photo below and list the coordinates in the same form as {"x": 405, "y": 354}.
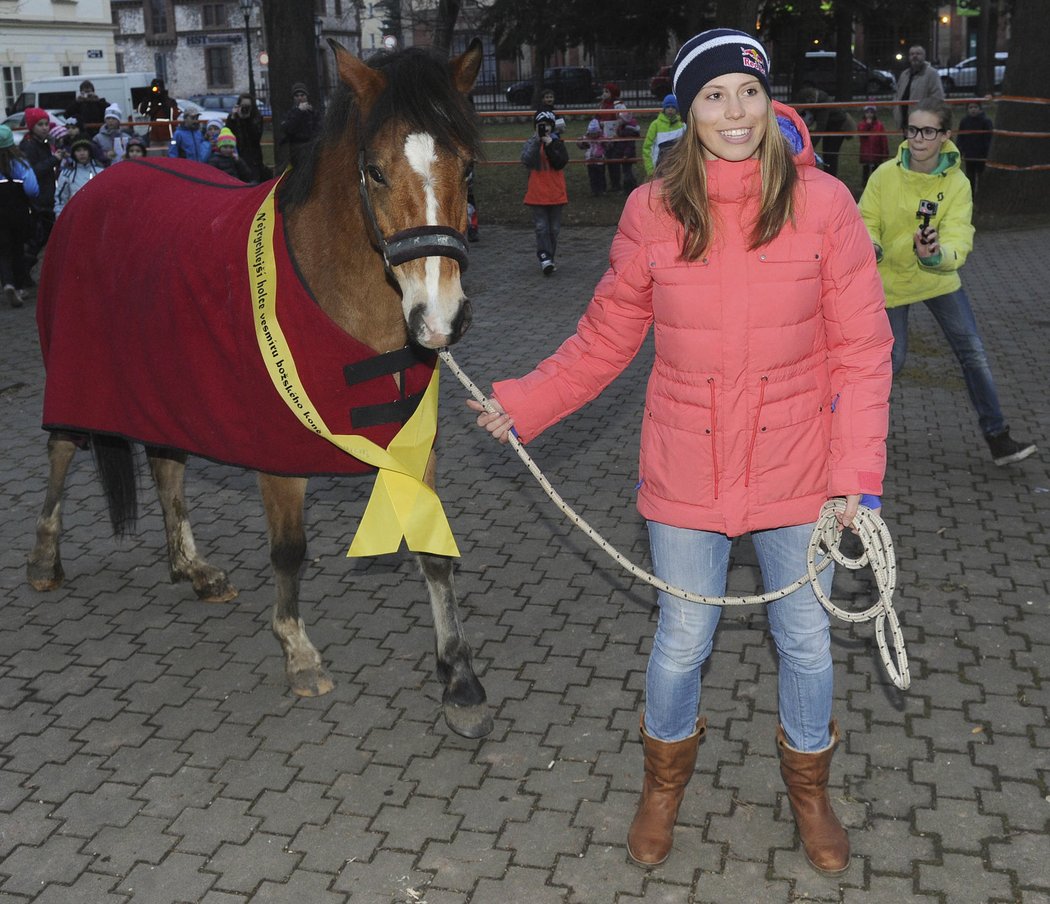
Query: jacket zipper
{"x": 754, "y": 429}
{"x": 714, "y": 444}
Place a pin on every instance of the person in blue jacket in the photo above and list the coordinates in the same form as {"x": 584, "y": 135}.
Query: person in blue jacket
{"x": 189, "y": 142}
{"x": 18, "y": 186}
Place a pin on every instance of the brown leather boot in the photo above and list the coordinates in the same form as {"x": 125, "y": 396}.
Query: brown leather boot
{"x": 824, "y": 840}
{"x": 668, "y": 768}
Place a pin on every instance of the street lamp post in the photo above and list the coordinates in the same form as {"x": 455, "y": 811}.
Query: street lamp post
{"x": 246, "y": 8}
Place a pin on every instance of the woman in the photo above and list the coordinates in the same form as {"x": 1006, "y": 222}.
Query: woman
{"x": 18, "y": 186}
{"x": 920, "y": 257}
{"x": 246, "y": 123}
{"x": 768, "y": 396}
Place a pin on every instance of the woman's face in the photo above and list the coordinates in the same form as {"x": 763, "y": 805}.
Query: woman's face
{"x": 730, "y": 114}
{"x": 925, "y": 152}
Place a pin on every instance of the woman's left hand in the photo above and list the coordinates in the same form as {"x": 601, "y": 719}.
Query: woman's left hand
{"x": 845, "y": 518}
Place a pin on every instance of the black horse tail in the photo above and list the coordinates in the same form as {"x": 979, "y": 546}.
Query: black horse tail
{"x": 115, "y": 464}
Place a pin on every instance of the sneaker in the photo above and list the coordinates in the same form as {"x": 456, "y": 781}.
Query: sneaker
{"x": 1006, "y": 450}
{"x": 11, "y": 294}
{"x": 547, "y": 266}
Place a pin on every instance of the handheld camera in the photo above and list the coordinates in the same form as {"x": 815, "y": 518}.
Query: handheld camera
{"x": 927, "y": 210}
{"x": 541, "y": 129}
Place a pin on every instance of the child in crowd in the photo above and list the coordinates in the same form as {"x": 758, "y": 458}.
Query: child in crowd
{"x": 76, "y": 172}
{"x": 663, "y": 132}
{"x": 225, "y": 157}
{"x": 111, "y": 139}
{"x": 545, "y": 156}
{"x": 974, "y": 140}
{"x": 136, "y": 148}
{"x": 594, "y": 156}
{"x": 211, "y": 132}
{"x": 874, "y": 146}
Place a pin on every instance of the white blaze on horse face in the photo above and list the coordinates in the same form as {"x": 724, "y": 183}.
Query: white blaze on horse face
{"x": 441, "y": 302}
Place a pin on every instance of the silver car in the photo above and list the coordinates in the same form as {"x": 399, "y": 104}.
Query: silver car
{"x": 963, "y": 75}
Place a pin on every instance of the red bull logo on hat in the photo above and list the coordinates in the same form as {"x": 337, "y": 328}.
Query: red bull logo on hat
{"x": 752, "y": 59}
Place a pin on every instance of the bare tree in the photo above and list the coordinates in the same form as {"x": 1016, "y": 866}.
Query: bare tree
{"x": 1015, "y": 188}
{"x": 447, "y": 14}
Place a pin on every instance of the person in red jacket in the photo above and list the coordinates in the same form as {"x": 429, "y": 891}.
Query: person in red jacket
{"x": 769, "y": 395}
{"x": 544, "y": 155}
{"x": 874, "y": 146}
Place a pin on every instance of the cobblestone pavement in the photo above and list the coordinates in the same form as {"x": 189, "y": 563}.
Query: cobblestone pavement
{"x": 151, "y": 752}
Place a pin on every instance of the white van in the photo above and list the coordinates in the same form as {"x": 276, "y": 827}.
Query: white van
{"x": 126, "y": 89}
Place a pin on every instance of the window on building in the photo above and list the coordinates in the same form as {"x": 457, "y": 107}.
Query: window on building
{"x": 12, "y": 76}
{"x": 338, "y": 7}
{"x": 71, "y": 70}
{"x": 158, "y": 18}
{"x": 213, "y": 15}
{"x": 218, "y": 67}
{"x": 160, "y": 66}
{"x": 120, "y": 61}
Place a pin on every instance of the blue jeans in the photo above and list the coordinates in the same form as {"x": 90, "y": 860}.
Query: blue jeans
{"x": 546, "y": 220}
{"x": 955, "y": 316}
{"x": 697, "y": 561}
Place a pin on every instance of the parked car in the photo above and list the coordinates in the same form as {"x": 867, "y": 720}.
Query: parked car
{"x": 570, "y": 84}
{"x": 964, "y": 73}
{"x": 660, "y": 84}
{"x": 818, "y": 69}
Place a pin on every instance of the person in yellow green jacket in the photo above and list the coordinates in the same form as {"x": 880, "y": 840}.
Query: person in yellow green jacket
{"x": 918, "y": 210}
{"x": 663, "y": 132}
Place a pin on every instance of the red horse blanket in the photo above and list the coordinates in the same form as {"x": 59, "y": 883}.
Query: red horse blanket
{"x": 147, "y": 331}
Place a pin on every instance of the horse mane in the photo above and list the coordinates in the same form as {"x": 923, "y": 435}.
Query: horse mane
{"x": 419, "y": 92}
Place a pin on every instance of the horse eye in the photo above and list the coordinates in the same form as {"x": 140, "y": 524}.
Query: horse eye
{"x": 376, "y": 175}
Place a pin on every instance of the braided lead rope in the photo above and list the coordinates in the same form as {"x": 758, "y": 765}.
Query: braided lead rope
{"x": 875, "y": 536}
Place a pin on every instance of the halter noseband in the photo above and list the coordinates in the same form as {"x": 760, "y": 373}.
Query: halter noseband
{"x": 409, "y": 244}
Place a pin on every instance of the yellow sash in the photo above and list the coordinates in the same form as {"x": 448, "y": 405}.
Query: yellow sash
{"x": 401, "y": 505}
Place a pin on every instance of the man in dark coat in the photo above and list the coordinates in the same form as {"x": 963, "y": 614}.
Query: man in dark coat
{"x": 300, "y": 124}
{"x": 88, "y": 108}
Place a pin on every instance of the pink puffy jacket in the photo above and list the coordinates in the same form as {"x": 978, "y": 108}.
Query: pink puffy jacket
{"x": 770, "y": 387}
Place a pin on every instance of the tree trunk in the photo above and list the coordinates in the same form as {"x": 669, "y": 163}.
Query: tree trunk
{"x": 447, "y": 14}
{"x": 1015, "y": 187}
{"x": 292, "y": 48}
{"x": 844, "y": 52}
{"x": 987, "y": 30}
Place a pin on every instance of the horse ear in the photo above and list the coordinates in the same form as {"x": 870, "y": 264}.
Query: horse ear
{"x": 366, "y": 83}
{"x": 465, "y": 67}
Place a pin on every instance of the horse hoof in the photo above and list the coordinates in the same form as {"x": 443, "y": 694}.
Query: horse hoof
{"x": 43, "y": 585}
{"x": 216, "y": 591}
{"x": 44, "y": 579}
{"x": 468, "y": 721}
{"x": 311, "y": 683}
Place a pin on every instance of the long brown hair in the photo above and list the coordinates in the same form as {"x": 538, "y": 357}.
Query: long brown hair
{"x": 685, "y": 189}
{"x": 7, "y": 158}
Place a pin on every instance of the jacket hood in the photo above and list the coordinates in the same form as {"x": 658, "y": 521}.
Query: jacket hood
{"x": 951, "y": 159}
{"x": 796, "y": 132}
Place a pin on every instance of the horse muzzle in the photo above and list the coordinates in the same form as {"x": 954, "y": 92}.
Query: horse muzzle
{"x": 422, "y": 333}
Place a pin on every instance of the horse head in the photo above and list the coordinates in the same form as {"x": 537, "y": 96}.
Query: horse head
{"x": 416, "y": 142}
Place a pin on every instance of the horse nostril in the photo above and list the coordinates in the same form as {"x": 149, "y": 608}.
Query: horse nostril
{"x": 462, "y": 322}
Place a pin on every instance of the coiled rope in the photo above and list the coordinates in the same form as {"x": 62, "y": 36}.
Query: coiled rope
{"x": 822, "y": 551}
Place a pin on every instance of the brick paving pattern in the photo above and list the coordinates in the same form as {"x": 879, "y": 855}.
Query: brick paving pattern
{"x": 151, "y": 753}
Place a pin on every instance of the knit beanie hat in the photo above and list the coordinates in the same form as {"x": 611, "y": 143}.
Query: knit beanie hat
{"x": 57, "y": 131}
{"x": 300, "y": 87}
{"x": 215, "y": 122}
{"x": 713, "y": 53}
{"x": 7, "y": 137}
{"x": 114, "y": 112}
{"x": 137, "y": 142}
{"x": 226, "y": 139}
{"x": 34, "y": 115}
{"x": 545, "y": 116}
{"x": 613, "y": 89}
{"x": 670, "y": 101}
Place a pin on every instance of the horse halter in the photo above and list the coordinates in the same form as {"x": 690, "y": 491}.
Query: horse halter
{"x": 410, "y": 244}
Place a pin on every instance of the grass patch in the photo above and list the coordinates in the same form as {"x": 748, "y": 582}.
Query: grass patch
{"x": 500, "y": 180}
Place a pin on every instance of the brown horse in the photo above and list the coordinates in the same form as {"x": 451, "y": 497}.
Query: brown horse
{"x": 368, "y": 230}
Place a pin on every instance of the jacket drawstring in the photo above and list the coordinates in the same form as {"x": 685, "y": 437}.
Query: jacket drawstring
{"x": 754, "y": 429}
{"x": 714, "y": 441}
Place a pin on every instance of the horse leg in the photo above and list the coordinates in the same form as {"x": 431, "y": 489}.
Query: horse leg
{"x": 463, "y": 700}
{"x": 283, "y": 498}
{"x": 211, "y": 585}
{"x": 44, "y": 566}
